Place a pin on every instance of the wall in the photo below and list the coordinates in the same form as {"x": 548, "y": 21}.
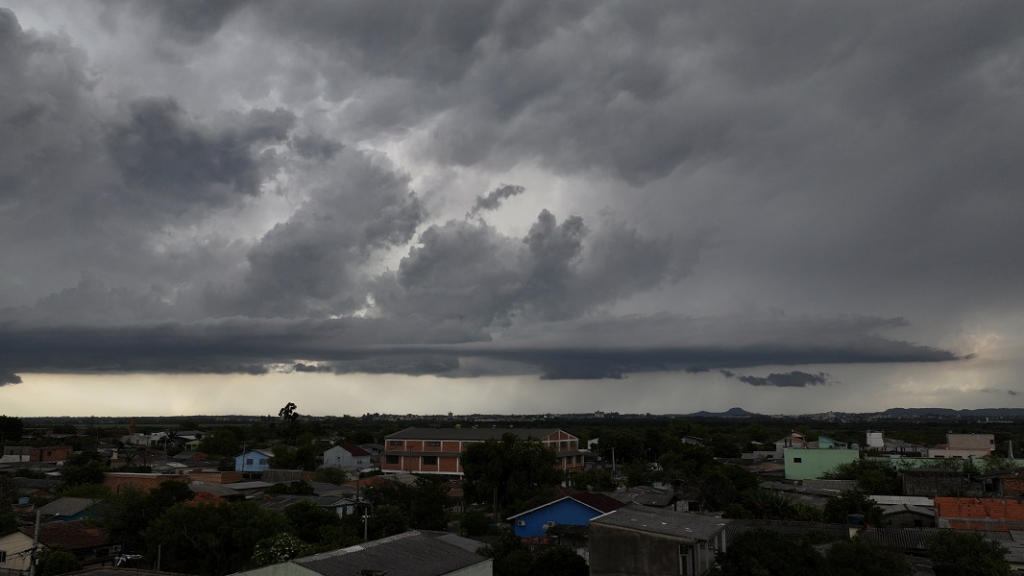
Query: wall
{"x": 116, "y": 480}
{"x": 804, "y": 464}
{"x": 14, "y": 544}
{"x": 995, "y": 514}
{"x": 619, "y": 551}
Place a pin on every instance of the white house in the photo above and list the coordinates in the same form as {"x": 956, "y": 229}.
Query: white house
{"x": 347, "y": 456}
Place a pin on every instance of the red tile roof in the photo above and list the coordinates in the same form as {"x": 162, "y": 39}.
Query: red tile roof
{"x": 355, "y": 450}
{"x": 601, "y": 502}
{"x": 68, "y": 535}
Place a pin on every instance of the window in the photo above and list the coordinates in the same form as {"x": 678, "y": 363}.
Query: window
{"x": 248, "y": 461}
{"x": 430, "y": 460}
{"x": 3, "y": 556}
{"x": 391, "y": 459}
{"x": 798, "y": 460}
{"x": 433, "y": 444}
{"x": 395, "y": 442}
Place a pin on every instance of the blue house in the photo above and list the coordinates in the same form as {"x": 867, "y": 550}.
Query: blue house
{"x": 575, "y": 510}
{"x": 253, "y": 461}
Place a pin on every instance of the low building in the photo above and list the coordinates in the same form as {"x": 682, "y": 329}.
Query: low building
{"x": 416, "y": 553}
{"x": 575, "y": 510}
{"x": 90, "y": 545}
{"x": 804, "y": 464}
{"x": 116, "y": 481}
{"x": 347, "y": 457}
{"x": 70, "y": 509}
{"x": 37, "y": 453}
{"x": 439, "y": 450}
{"x": 964, "y": 446}
{"x": 253, "y": 461}
{"x": 643, "y": 541}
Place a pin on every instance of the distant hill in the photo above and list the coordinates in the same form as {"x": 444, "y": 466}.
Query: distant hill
{"x": 730, "y": 413}
{"x": 1008, "y": 413}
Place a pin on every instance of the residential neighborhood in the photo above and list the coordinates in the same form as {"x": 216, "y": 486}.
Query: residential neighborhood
{"x": 671, "y": 496}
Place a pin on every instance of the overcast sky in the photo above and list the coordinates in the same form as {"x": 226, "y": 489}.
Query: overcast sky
{"x": 522, "y": 206}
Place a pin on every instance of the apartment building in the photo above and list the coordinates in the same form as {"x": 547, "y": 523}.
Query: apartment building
{"x": 439, "y": 450}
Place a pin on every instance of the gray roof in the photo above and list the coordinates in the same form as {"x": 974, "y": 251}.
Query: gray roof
{"x": 885, "y": 499}
{"x": 470, "y": 433}
{"x": 409, "y": 554}
{"x": 66, "y": 506}
{"x": 659, "y": 521}
{"x": 644, "y": 495}
{"x": 788, "y": 527}
{"x": 903, "y": 538}
{"x": 215, "y": 489}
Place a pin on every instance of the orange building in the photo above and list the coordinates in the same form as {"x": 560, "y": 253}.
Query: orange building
{"x": 991, "y": 514}
{"x": 439, "y": 450}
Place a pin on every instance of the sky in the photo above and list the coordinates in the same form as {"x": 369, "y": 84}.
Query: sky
{"x": 509, "y": 206}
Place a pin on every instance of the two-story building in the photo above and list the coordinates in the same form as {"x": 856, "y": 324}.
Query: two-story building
{"x": 439, "y": 450}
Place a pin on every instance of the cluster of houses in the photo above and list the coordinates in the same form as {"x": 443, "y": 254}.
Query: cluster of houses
{"x": 641, "y": 530}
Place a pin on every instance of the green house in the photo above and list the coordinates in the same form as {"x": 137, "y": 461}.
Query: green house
{"x": 809, "y": 463}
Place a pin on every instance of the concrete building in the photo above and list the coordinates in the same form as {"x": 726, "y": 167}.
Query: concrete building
{"x": 646, "y": 542}
{"x": 988, "y": 514}
{"x": 439, "y": 450}
{"x": 964, "y": 446}
{"x": 417, "y": 553}
{"x": 803, "y": 464}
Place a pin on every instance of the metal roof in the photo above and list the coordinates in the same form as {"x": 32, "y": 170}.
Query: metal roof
{"x": 886, "y": 500}
{"x": 788, "y": 527}
{"x": 409, "y": 554}
{"x": 470, "y": 433}
{"x": 66, "y": 506}
{"x": 660, "y": 521}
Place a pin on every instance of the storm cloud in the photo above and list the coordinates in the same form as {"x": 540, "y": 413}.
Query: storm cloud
{"x": 269, "y": 187}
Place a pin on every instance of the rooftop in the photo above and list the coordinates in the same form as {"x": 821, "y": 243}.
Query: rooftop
{"x": 658, "y": 521}
{"x": 470, "y": 433}
{"x": 68, "y": 535}
{"x": 417, "y": 553}
{"x": 66, "y": 507}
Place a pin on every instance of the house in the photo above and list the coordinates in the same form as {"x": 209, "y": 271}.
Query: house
{"x": 645, "y": 541}
{"x": 794, "y": 440}
{"x": 347, "y": 456}
{"x": 576, "y": 510}
{"x": 89, "y": 544}
{"x": 37, "y": 454}
{"x": 340, "y": 505}
{"x": 439, "y": 450}
{"x": 964, "y": 446}
{"x": 806, "y": 463}
{"x": 253, "y": 461}
{"x": 416, "y": 553}
{"x": 70, "y": 509}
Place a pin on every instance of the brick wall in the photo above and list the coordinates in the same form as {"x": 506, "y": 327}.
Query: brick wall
{"x": 221, "y": 477}
{"x": 116, "y": 480}
{"x": 996, "y": 514}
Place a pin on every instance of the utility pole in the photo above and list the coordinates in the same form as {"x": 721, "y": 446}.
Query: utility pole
{"x": 35, "y": 546}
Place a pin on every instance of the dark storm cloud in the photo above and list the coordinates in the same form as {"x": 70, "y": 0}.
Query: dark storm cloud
{"x": 609, "y": 348}
{"x": 159, "y": 152}
{"x": 493, "y": 200}
{"x": 469, "y": 272}
{"x": 795, "y": 379}
{"x": 308, "y": 264}
{"x": 826, "y": 159}
{"x": 9, "y": 378}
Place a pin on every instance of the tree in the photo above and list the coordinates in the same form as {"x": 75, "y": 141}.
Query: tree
{"x": 860, "y": 558}
{"x": 766, "y": 553}
{"x": 509, "y": 470}
{"x": 330, "y": 475}
{"x": 296, "y": 487}
{"x": 132, "y": 510}
{"x": 11, "y": 428}
{"x": 475, "y": 523}
{"x": 966, "y": 553}
{"x": 211, "y": 538}
{"x": 594, "y": 479}
{"x": 838, "y": 508}
{"x": 84, "y": 468}
{"x": 54, "y": 562}
{"x": 277, "y": 549}
{"x": 308, "y": 520}
{"x": 559, "y": 561}
{"x": 638, "y": 473}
